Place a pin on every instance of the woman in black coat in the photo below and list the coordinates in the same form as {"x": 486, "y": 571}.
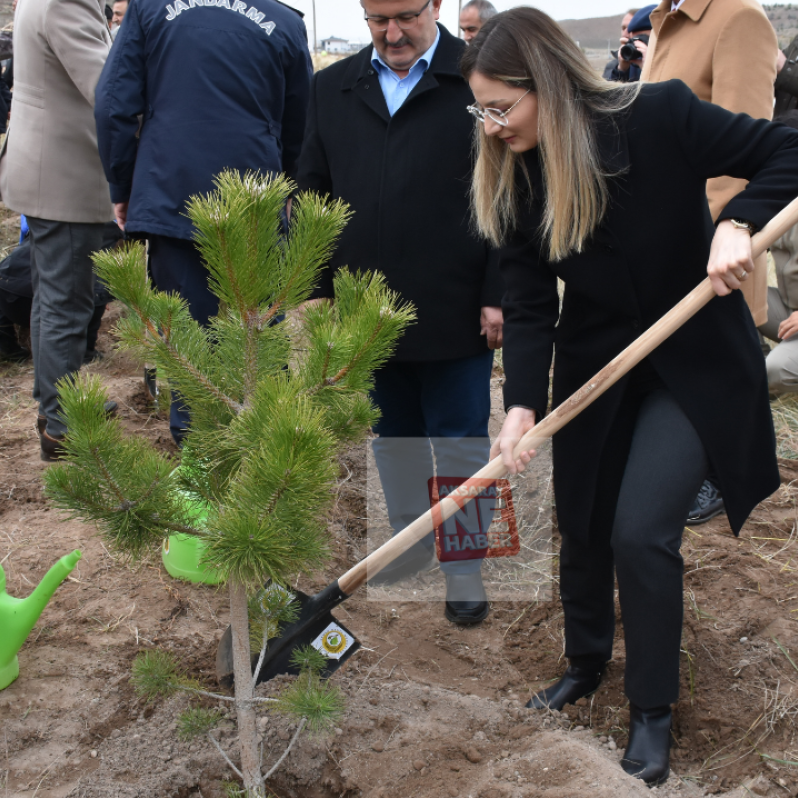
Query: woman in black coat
{"x": 603, "y": 186}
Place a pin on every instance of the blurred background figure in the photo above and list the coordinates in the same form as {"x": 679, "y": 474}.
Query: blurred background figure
{"x": 473, "y": 16}
{"x": 118, "y": 11}
{"x": 726, "y": 52}
{"x": 613, "y": 62}
{"x": 16, "y": 298}
{"x": 632, "y": 52}
{"x": 782, "y": 323}
{"x": 50, "y": 171}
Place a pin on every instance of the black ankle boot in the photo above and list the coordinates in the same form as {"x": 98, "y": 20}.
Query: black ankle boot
{"x": 576, "y": 683}
{"x": 647, "y": 756}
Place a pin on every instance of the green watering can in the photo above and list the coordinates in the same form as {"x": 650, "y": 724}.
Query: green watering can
{"x": 182, "y": 554}
{"x": 18, "y": 616}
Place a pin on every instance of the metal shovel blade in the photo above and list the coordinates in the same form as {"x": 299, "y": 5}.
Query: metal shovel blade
{"x": 315, "y": 626}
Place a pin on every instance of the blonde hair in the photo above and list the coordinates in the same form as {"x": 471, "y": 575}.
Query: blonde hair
{"x": 525, "y": 48}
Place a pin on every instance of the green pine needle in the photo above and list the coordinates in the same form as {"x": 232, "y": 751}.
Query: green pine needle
{"x": 196, "y": 721}
{"x": 233, "y": 789}
{"x": 157, "y": 674}
{"x": 269, "y": 609}
{"x": 315, "y": 699}
{"x": 307, "y": 658}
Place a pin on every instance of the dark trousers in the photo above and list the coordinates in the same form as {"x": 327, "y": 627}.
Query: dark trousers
{"x": 651, "y": 470}
{"x": 439, "y": 407}
{"x": 176, "y": 266}
{"x": 63, "y": 304}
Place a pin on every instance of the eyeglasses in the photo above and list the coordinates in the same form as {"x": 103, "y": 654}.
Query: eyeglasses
{"x": 404, "y": 21}
{"x": 494, "y": 114}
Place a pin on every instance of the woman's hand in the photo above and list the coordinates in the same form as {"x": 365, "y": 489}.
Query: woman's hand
{"x": 730, "y": 260}
{"x": 518, "y": 422}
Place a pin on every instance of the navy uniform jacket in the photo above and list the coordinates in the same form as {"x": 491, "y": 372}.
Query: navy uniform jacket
{"x": 215, "y": 83}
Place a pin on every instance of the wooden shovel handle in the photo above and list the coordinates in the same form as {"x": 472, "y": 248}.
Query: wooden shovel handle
{"x": 574, "y": 405}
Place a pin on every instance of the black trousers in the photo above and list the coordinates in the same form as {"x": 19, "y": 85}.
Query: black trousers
{"x": 651, "y": 470}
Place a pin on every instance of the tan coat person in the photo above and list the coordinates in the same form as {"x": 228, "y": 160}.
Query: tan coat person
{"x": 725, "y": 51}
{"x": 50, "y": 166}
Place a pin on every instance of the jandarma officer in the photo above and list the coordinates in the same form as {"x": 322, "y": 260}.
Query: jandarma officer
{"x": 201, "y": 110}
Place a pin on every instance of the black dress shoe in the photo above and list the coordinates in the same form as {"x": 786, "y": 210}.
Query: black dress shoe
{"x": 151, "y": 383}
{"x": 708, "y": 504}
{"x": 647, "y": 756}
{"x": 413, "y": 561}
{"x": 466, "y": 600}
{"x": 576, "y": 683}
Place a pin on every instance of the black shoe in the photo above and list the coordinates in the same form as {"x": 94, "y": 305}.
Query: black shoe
{"x": 576, "y": 683}
{"x": 150, "y": 383}
{"x": 92, "y": 355}
{"x": 466, "y": 600}
{"x": 417, "y": 559}
{"x": 708, "y": 504}
{"x": 647, "y": 757}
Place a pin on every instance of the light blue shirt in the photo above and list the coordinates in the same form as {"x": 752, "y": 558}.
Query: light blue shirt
{"x": 395, "y": 89}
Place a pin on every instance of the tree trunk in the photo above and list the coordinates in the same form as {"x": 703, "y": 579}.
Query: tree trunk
{"x": 242, "y": 669}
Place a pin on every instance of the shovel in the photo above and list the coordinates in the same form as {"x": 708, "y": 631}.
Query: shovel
{"x": 316, "y": 625}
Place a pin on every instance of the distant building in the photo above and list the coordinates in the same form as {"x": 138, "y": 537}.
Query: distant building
{"x": 335, "y": 45}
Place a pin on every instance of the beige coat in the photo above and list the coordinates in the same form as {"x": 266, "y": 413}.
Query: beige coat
{"x": 50, "y": 167}
{"x": 725, "y": 51}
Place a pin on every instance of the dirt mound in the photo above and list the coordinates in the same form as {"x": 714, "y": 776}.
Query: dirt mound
{"x": 433, "y": 710}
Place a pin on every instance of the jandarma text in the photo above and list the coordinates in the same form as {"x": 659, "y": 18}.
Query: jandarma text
{"x": 256, "y": 16}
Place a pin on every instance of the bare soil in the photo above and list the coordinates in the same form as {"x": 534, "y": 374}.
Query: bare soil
{"x": 433, "y": 710}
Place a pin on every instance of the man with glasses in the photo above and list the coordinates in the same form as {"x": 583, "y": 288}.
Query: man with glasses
{"x": 388, "y": 132}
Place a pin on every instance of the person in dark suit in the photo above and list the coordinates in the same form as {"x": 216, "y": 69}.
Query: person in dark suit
{"x": 386, "y": 134}
{"x": 618, "y": 211}
{"x": 191, "y": 89}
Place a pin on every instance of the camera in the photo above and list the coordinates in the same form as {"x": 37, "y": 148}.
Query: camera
{"x": 629, "y": 52}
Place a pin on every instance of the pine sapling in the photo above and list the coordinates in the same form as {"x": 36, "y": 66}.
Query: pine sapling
{"x": 269, "y": 410}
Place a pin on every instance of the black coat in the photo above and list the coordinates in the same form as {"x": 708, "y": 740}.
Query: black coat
{"x": 407, "y": 179}
{"x": 651, "y": 250}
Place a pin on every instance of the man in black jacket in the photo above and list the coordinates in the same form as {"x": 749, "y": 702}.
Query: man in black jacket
{"x": 388, "y": 133}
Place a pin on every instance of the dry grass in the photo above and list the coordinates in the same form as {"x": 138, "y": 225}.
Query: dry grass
{"x": 322, "y": 60}
{"x": 785, "y": 420}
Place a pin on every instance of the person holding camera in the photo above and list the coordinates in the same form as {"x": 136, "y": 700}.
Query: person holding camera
{"x": 634, "y": 46}
{"x": 613, "y": 62}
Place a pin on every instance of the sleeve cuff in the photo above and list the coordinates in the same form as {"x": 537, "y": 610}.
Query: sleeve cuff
{"x": 119, "y": 193}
